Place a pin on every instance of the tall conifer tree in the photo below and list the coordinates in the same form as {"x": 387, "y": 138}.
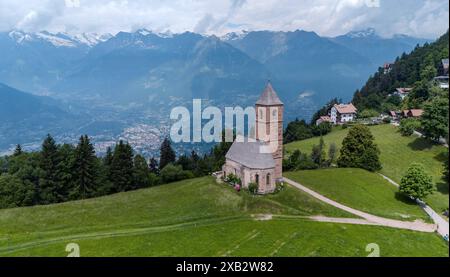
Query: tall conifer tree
{"x": 49, "y": 185}
{"x": 122, "y": 167}
{"x": 85, "y": 168}
{"x": 167, "y": 154}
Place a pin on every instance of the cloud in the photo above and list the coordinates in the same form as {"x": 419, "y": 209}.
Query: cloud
{"x": 306, "y": 94}
{"x": 424, "y": 18}
{"x": 204, "y": 24}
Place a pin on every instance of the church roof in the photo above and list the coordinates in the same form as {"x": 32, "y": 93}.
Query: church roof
{"x": 269, "y": 97}
{"x": 248, "y": 153}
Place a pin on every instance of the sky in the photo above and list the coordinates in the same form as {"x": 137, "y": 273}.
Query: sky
{"x": 419, "y": 18}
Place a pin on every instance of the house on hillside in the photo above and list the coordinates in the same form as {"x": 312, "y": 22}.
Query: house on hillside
{"x": 443, "y": 68}
{"x": 402, "y": 92}
{"x": 442, "y": 81}
{"x": 414, "y": 113}
{"x": 323, "y": 119}
{"x": 387, "y": 67}
{"x": 394, "y": 115}
{"x": 260, "y": 160}
{"x": 342, "y": 113}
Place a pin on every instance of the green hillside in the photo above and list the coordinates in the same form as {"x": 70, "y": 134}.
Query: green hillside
{"x": 199, "y": 217}
{"x": 362, "y": 190}
{"x": 397, "y": 154}
{"x": 409, "y": 70}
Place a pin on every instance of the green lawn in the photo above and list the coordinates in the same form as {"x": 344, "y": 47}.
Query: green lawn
{"x": 199, "y": 218}
{"x": 361, "y": 190}
{"x": 397, "y": 154}
{"x": 277, "y": 237}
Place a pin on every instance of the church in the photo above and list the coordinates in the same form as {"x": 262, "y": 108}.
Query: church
{"x": 260, "y": 160}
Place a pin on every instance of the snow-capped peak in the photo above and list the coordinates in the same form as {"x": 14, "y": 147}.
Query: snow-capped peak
{"x": 91, "y": 39}
{"x": 19, "y": 36}
{"x": 59, "y": 39}
{"x": 166, "y": 34}
{"x": 362, "y": 33}
{"x": 234, "y": 36}
{"x": 144, "y": 32}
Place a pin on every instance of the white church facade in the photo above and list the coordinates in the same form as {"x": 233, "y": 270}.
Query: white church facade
{"x": 260, "y": 160}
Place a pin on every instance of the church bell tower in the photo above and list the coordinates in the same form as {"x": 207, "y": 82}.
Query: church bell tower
{"x": 269, "y": 125}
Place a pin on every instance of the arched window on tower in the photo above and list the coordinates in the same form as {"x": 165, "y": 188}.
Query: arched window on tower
{"x": 268, "y": 179}
{"x": 257, "y": 179}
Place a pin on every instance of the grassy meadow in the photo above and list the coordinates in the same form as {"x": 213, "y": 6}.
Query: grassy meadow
{"x": 361, "y": 190}
{"x": 397, "y": 154}
{"x": 199, "y": 217}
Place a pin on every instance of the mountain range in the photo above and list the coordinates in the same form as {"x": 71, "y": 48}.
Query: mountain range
{"x": 26, "y": 118}
{"x": 140, "y": 74}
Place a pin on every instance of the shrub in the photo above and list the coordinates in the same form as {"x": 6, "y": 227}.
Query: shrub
{"x": 233, "y": 180}
{"x": 408, "y": 126}
{"x": 298, "y": 161}
{"x": 322, "y": 129}
{"x": 279, "y": 187}
{"x": 416, "y": 183}
{"x": 435, "y": 118}
{"x": 368, "y": 113}
{"x": 172, "y": 173}
{"x": 253, "y": 188}
{"x": 387, "y": 120}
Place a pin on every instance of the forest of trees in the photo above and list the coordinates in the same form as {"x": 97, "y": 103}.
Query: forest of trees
{"x": 60, "y": 173}
{"x": 300, "y": 129}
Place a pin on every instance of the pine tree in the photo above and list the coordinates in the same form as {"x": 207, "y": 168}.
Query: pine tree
{"x": 18, "y": 150}
{"x": 85, "y": 168}
{"x": 154, "y": 166}
{"x": 107, "y": 160}
{"x": 49, "y": 185}
{"x": 332, "y": 153}
{"x": 121, "y": 172}
{"x": 141, "y": 173}
{"x": 359, "y": 150}
{"x": 167, "y": 154}
{"x": 67, "y": 170}
{"x": 318, "y": 153}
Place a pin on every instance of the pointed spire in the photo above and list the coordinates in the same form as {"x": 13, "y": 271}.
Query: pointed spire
{"x": 269, "y": 97}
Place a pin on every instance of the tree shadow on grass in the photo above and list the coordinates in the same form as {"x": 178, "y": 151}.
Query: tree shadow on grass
{"x": 420, "y": 144}
{"x": 441, "y": 157}
{"x": 400, "y": 196}
{"x": 442, "y": 187}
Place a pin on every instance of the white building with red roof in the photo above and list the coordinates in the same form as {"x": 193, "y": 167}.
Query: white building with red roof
{"x": 402, "y": 92}
{"x": 342, "y": 113}
{"x": 323, "y": 119}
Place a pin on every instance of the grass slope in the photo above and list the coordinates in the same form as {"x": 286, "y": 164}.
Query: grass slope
{"x": 199, "y": 218}
{"x": 361, "y": 190}
{"x": 397, "y": 154}
{"x": 296, "y": 238}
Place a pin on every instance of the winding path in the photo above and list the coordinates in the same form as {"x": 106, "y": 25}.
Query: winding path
{"x": 370, "y": 219}
{"x": 442, "y": 224}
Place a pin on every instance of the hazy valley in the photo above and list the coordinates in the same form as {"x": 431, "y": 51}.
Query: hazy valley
{"x": 123, "y": 86}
